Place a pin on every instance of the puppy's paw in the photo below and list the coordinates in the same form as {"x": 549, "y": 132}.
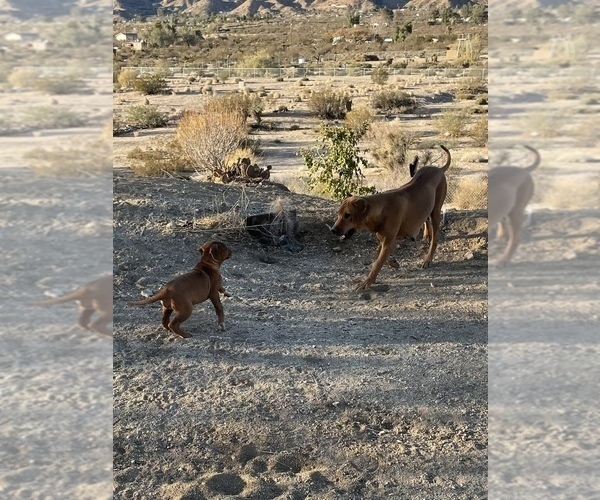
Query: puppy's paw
{"x": 221, "y": 327}
{"x": 426, "y": 264}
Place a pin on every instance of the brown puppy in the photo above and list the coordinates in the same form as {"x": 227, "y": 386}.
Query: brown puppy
{"x": 396, "y": 214}
{"x": 509, "y": 191}
{"x": 92, "y": 297}
{"x": 182, "y": 293}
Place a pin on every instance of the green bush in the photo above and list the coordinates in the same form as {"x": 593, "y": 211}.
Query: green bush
{"x": 145, "y": 116}
{"x": 392, "y": 100}
{"x": 153, "y": 83}
{"x": 329, "y": 104}
{"x": 335, "y": 167}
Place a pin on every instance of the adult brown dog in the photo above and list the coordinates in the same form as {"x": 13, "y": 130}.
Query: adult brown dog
{"x": 397, "y": 214}
{"x": 202, "y": 283}
{"x": 92, "y": 297}
{"x": 509, "y": 191}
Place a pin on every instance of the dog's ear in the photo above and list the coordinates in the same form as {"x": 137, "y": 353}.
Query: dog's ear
{"x": 218, "y": 251}
{"x": 412, "y": 167}
{"x": 361, "y": 208}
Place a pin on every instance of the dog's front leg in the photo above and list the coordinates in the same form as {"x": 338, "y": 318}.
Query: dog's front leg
{"x": 216, "y": 302}
{"x": 387, "y": 247}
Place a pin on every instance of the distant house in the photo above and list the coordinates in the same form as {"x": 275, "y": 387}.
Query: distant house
{"x": 40, "y": 45}
{"x": 126, "y": 37}
{"x": 139, "y": 45}
{"x": 21, "y": 37}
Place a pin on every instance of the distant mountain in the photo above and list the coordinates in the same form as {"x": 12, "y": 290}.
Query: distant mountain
{"x": 26, "y": 9}
{"x": 127, "y": 9}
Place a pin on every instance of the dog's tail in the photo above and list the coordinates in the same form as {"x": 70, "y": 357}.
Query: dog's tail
{"x": 155, "y": 298}
{"x": 448, "y": 158}
{"x": 76, "y": 295}
{"x": 536, "y": 162}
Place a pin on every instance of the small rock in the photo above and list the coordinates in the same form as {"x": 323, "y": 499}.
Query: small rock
{"x": 469, "y": 256}
{"x": 337, "y": 249}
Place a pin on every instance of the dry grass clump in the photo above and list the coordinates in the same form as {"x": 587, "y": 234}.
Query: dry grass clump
{"x": 390, "y": 144}
{"x": 469, "y": 192}
{"x": 573, "y": 193}
{"x": 359, "y": 120}
{"x": 208, "y": 137}
{"x": 164, "y": 157}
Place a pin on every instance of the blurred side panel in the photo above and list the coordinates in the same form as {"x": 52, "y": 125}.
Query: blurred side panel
{"x": 55, "y": 239}
{"x": 544, "y": 213}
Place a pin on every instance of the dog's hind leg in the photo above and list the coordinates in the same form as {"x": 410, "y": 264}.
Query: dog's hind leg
{"x": 85, "y": 317}
{"x": 180, "y": 316}
{"x": 433, "y": 227}
{"x": 166, "y": 316}
{"x": 515, "y": 219}
{"x": 100, "y": 325}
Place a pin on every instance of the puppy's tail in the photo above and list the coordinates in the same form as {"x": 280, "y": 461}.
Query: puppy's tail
{"x": 448, "y": 158}
{"x": 149, "y": 300}
{"x": 76, "y": 295}
{"x": 536, "y": 161}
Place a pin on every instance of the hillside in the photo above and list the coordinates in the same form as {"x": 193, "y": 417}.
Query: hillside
{"x": 127, "y": 9}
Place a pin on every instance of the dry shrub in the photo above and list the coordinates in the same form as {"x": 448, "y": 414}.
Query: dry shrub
{"x": 359, "y": 120}
{"x": 145, "y": 116}
{"x": 543, "y": 124}
{"x": 573, "y": 193}
{"x": 479, "y": 131}
{"x": 242, "y": 152}
{"x": 163, "y": 157}
{"x": 127, "y": 78}
{"x": 390, "y": 144}
{"x": 210, "y": 136}
{"x": 227, "y": 218}
{"x": 454, "y": 122}
{"x": 22, "y": 78}
{"x": 92, "y": 157}
{"x": 469, "y": 192}
{"x": 53, "y": 117}
{"x": 393, "y": 100}
{"x": 329, "y": 104}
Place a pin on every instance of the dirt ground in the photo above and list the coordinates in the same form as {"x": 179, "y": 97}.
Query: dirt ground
{"x": 56, "y": 383}
{"x": 313, "y": 390}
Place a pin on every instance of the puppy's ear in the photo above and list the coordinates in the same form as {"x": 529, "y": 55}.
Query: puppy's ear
{"x": 217, "y": 251}
{"x": 361, "y": 207}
